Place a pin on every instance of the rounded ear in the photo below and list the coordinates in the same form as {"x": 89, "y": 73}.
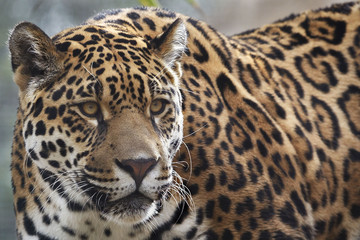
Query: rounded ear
{"x": 171, "y": 44}
{"x": 34, "y": 57}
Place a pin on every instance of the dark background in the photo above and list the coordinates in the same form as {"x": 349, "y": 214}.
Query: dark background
{"x": 228, "y": 16}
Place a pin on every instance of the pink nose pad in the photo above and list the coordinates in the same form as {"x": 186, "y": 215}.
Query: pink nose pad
{"x": 138, "y": 168}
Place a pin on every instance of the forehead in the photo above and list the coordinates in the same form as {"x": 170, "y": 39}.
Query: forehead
{"x": 109, "y": 63}
{"x": 94, "y": 45}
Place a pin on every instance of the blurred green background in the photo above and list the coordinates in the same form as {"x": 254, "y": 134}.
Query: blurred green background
{"x": 228, "y": 16}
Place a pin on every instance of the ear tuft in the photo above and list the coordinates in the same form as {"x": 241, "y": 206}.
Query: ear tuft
{"x": 33, "y": 55}
{"x": 171, "y": 44}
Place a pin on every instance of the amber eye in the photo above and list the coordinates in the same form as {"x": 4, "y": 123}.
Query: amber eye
{"x": 158, "y": 106}
{"x": 89, "y": 109}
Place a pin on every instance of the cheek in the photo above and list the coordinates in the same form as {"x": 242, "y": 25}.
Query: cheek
{"x": 177, "y": 135}
{"x": 49, "y": 146}
{"x": 33, "y": 133}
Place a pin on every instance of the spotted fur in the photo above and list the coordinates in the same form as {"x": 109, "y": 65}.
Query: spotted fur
{"x": 269, "y": 121}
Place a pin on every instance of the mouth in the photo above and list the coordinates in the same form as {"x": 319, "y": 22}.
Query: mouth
{"x": 133, "y": 205}
{"x": 131, "y": 209}
{"x": 135, "y": 202}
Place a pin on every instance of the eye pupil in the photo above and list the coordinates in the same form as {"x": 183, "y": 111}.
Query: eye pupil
{"x": 158, "y": 106}
{"x": 90, "y": 109}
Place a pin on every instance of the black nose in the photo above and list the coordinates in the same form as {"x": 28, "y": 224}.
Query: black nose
{"x": 138, "y": 168}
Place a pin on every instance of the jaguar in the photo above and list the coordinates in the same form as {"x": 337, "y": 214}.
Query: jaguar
{"x": 143, "y": 123}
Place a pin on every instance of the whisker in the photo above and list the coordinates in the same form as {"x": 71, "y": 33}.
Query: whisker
{"x": 187, "y": 90}
{"x": 205, "y": 125}
{"x": 190, "y": 160}
{"x": 89, "y": 72}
